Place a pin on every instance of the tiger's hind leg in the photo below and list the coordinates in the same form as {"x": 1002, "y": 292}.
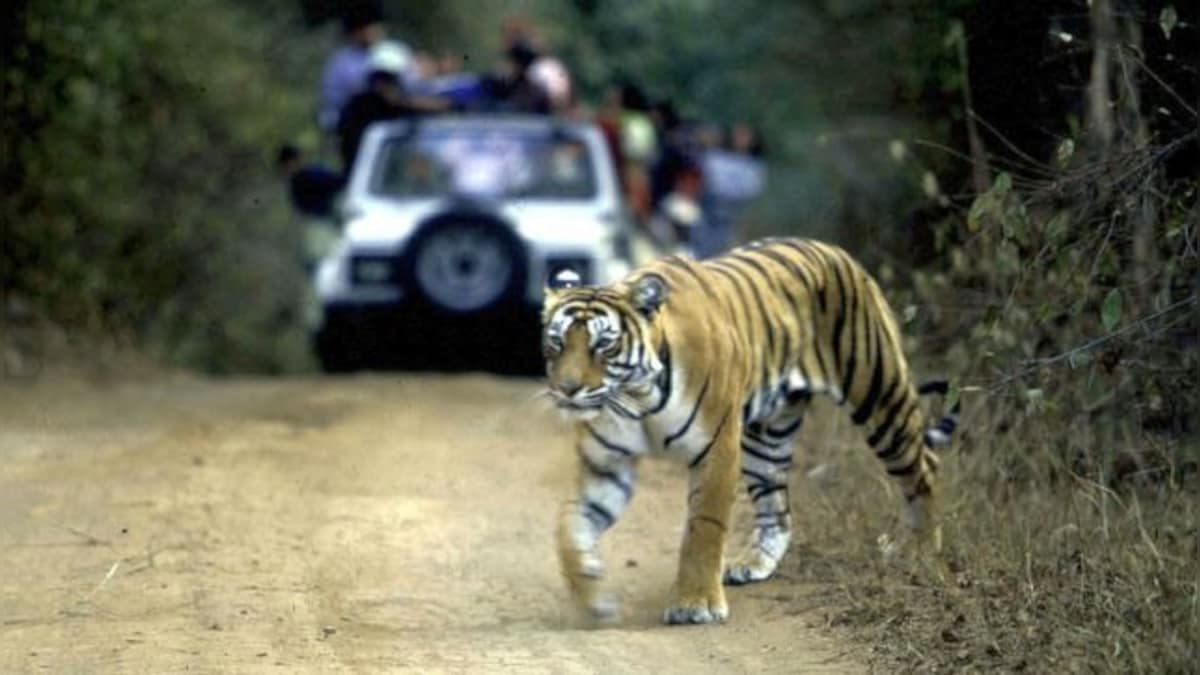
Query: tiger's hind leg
{"x": 766, "y": 460}
{"x": 896, "y": 431}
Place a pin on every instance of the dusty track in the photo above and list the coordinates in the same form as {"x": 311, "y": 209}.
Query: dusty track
{"x": 390, "y": 522}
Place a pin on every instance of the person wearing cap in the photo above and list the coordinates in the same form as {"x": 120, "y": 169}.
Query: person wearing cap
{"x": 347, "y": 68}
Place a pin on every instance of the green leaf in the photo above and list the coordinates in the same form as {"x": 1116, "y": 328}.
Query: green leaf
{"x": 975, "y": 215}
{"x": 1076, "y": 360}
{"x": 954, "y": 36}
{"x": 952, "y": 396}
{"x": 1064, "y": 152}
{"x": 1002, "y": 185}
{"x": 1056, "y": 229}
{"x": 1168, "y": 18}
{"x": 1034, "y": 401}
{"x": 1110, "y": 311}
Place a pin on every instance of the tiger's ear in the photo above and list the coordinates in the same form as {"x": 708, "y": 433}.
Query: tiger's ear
{"x": 648, "y": 294}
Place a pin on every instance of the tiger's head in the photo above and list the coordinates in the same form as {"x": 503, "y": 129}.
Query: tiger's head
{"x": 601, "y": 343}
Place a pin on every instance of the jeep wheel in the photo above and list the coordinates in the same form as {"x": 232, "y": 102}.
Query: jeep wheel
{"x": 466, "y": 264}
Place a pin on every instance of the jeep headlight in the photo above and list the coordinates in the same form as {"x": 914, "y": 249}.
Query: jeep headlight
{"x": 372, "y": 270}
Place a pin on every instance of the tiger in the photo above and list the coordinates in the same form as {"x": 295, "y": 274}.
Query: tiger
{"x": 713, "y": 363}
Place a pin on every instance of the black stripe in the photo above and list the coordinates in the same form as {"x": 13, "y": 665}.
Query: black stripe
{"x": 899, "y": 439}
{"x": 619, "y": 449}
{"x": 691, "y": 418}
{"x": 769, "y": 491}
{"x": 795, "y": 305}
{"x": 763, "y": 315}
{"x": 704, "y": 453}
{"x": 933, "y": 387}
{"x": 665, "y": 380}
{"x": 606, "y": 517}
{"x": 816, "y": 261}
{"x": 771, "y": 517}
{"x": 857, "y": 315}
{"x": 908, "y": 469}
{"x": 886, "y": 425}
{"x": 786, "y": 431}
{"x": 719, "y": 268}
{"x": 749, "y": 259}
{"x": 626, "y": 329}
{"x": 739, "y": 312}
{"x": 676, "y": 261}
{"x": 757, "y": 437}
{"x": 864, "y": 410}
{"x": 758, "y": 454}
{"x": 762, "y": 480}
{"x": 886, "y": 400}
{"x": 790, "y": 266}
{"x": 610, "y": 476}
{"x": 769, "y": 283}
{"x": 839, "y": 322}
{"x": 619, "y": 408}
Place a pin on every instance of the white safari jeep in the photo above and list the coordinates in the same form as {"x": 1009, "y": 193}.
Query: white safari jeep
{"x": 451, "y": 225}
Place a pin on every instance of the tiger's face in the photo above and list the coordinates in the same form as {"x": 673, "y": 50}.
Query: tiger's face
{"x": 599, "y": 342}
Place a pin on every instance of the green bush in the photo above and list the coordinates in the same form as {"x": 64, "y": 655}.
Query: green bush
{"x": 140, "y": 199}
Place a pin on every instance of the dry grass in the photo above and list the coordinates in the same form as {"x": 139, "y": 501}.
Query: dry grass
{"x": 1049, "y": 573}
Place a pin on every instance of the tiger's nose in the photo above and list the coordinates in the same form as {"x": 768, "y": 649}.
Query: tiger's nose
{"x": 569, "y": 386}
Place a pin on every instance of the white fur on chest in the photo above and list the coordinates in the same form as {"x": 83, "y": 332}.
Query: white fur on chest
{"x": 678, "y": 431}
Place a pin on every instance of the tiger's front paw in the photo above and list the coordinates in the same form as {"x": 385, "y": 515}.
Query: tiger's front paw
{"x": 710, "y": 608}
{"x": 603, "y": 609}
{"x": 584, "y": 572}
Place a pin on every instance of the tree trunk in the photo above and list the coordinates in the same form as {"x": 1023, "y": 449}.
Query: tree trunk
{"x": 1101, "y": 127}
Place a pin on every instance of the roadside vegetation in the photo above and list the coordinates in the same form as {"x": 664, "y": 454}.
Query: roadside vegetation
{"x": 1064, "y": 294}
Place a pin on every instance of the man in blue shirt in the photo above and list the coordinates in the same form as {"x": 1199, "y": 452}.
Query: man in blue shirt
{"x": 347, "y": 68}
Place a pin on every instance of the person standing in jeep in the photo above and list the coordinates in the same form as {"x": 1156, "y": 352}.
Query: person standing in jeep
{"x": 347, "y": 68}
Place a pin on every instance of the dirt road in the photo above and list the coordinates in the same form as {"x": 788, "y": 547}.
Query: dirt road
{"x": 384, "y": 522}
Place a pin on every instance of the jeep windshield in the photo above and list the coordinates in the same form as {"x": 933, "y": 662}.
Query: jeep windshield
{"x": 497, "y": 162}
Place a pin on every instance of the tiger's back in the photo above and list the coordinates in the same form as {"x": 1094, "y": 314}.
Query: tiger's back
{"x": 794, "y": 315}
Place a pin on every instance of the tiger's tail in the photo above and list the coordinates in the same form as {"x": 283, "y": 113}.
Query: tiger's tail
{"x": 939, "y": 434}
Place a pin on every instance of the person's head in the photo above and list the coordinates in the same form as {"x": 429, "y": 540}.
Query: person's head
{"x": 741, "y": 138}
{"x": 709, "y": 136}
{"x": 520, "y": 56}
{"x": 633, "y": 98}
{"x": 389, "y": 61}
{"x": 382, "y": 81}
{"x": 362, "y": 25}
{"x": 449, "y": 63}
{"x": 289, "y": 159}
{"x": 689, "y": 180}
{"x": 551, "y": 75}
{"x": 425, "y": 65}
{"x": 746, "y": 140}
{"x": 664, "y": 114}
